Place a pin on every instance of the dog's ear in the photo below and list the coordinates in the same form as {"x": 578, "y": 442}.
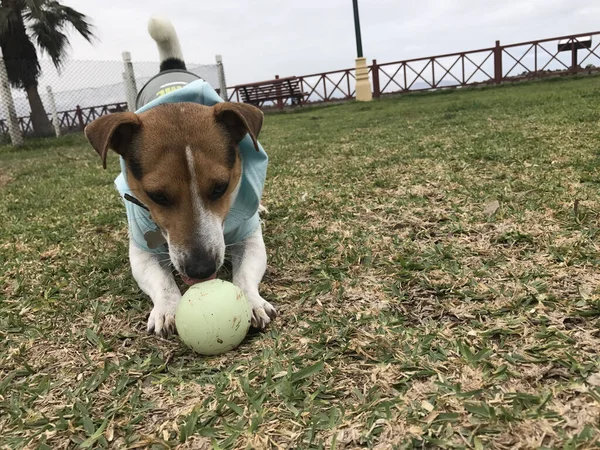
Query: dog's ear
{"x": 112, "y": 131}
{"x": 239, "y": 119}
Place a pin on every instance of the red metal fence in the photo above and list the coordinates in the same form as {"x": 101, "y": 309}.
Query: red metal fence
{"x": 70, "y": 120}
{"x": 562, "y": 55}
{"x": 319, "y": 87}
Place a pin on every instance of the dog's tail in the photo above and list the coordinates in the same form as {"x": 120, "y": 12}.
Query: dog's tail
{"x": 163, "y": 32}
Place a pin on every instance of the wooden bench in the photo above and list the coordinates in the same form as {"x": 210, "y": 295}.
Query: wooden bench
{"x": 277, "y": 91}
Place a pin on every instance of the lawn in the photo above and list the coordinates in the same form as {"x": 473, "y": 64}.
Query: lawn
{"x": 434, "y": 259}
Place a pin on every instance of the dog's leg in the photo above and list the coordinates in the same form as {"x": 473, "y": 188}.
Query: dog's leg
{"x": 249, "y": 262}
{"x": 153, "y": 275}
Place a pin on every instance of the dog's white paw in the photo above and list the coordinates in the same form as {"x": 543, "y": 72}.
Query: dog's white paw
{"x": 262, "y": 210}
{"x": 262, "y": 311}
{"x": 162, "y": 319}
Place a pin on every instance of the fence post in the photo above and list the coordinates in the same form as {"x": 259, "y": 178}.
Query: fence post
{"x": 129, "y": 80}
{"x": 363, "y": 84}
{"x": 375, "y": 74}
{"x": 278, "y": 93}
{"x": 574, "y": 65}
{"x": 221, "y": 75}
{"x": 53, "y": 112}
{"x": 498, "y": 63}
{"x": 79, "y": 114}
{"x": 16, "y": 137}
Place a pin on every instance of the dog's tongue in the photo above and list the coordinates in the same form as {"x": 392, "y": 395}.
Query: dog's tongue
{"x": 190, "y": 281}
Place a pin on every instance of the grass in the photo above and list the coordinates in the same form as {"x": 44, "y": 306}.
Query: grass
{"x": 434, "y": 259}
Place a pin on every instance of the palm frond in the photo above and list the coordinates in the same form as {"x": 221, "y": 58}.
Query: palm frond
{"x": 50, "y": 39}
{"x": 49, "y": 27}
{"x": 6, "y": 17}
{"x": 78, "y": 21}
{"x": 33, "y": 8}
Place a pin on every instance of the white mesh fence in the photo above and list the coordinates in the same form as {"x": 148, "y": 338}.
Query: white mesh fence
{"x": 82, "y": 91}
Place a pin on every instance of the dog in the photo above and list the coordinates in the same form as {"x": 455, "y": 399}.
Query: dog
{"x": 191, "y": 179}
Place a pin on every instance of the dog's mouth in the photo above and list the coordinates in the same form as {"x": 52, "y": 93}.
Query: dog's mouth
{"x": 190, "y": 281}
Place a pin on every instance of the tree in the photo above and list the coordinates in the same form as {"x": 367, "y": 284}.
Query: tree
{"x": 25, "y": 24}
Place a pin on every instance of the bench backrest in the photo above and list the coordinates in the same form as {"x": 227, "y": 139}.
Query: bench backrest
{"x": 286, "y": 87}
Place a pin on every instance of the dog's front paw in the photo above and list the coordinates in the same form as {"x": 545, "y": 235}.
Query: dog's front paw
{"x": 162, "y": 320}
{"x": 262, "y": 210}
{"x": 262, "y": 311}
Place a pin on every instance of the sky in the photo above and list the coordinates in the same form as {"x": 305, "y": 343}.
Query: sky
{"x": 261, "y": 38}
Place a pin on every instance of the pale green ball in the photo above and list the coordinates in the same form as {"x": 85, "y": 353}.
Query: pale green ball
{"x": 213, "y": 317}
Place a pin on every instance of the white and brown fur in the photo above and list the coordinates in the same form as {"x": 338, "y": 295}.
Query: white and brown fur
{"x": 183, "y": 163}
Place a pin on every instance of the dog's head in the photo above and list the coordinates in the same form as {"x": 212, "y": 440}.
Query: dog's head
{"x": 183, "y": 162}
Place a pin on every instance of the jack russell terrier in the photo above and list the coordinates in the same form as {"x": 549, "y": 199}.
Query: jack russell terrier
{"x": 192, "y": 175}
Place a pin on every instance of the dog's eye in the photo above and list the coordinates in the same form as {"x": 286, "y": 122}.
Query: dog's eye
{"x": 160, "y": 198}
{"x": 218, "y": 190}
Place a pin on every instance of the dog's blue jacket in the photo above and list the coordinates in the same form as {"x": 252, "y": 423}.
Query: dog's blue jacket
{"x": 242, "y": 219}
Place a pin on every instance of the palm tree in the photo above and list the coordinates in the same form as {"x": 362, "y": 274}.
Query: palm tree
{"x": 25, "y": 24}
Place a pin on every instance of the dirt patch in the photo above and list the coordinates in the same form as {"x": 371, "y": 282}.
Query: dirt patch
{"x": 5, "y": 179}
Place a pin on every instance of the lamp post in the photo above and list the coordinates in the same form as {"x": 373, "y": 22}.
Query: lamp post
{"x": 359, "y": 52}
{"x": 363, "y": 85}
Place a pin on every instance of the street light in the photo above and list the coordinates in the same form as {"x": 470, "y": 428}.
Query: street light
{"x": 359, "y": 52}
{"x": 363, "y": 85}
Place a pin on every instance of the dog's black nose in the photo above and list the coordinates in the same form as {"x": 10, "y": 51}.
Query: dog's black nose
{"x": 200, "y": 269}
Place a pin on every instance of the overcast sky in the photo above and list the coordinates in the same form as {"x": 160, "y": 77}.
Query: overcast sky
{"x": 261, "y": 38}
